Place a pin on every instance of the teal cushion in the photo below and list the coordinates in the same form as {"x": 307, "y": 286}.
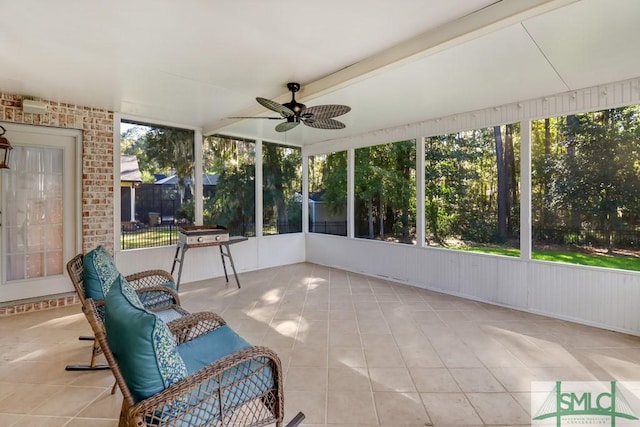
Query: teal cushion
{"x": 141, "y": 343}
{"x": 170, "y": 285}
{"x": 99, "y": 272}
{"x": 168, "y": 315}
{"x": 208, "y": 348}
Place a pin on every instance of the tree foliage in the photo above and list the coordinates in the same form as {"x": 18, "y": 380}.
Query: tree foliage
{"x": 282, "y": 188}
{"x": 471, "y": 185}
{"x": 586, "y": 174}
{"x": 385, "y": 190}
{"x": 161, "y": 150}
{"x": 233, "y": 204}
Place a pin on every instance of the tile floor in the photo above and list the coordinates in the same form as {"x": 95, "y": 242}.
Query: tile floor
{"x": 356, "y": 350}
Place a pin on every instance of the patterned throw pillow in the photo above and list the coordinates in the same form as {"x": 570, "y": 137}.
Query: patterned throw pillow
{"x": 141, "y": 343}
{"x": 99, "y": 273}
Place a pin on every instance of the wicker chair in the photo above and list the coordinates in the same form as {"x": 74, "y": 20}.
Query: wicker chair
{"x": 148, "y": 284}
{"x": 241, "y": 389}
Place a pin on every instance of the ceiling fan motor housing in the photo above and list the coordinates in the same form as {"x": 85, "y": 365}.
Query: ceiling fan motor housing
{"x": 318, "y": 116}
{"x": 294, "y": 106}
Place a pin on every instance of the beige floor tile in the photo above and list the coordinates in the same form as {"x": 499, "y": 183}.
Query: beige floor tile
{"x": 348, "y": 407}
{"x": 345, "y": 339}
{"x": 514, "y": 379}
{"x": 383, "y": 358}
{"x": 373, "y": 327}
{"x": 373, "y": 341}
{"x": 434, "y": 380}
{"x": 459, "y": 358}
{"x": 107, "y": 405}
{"x": 36, "y": 372}
{"x": 478, "y": 380}
{"x": 450, "y": 409}
{"x": 41, "y": 421}
{"x": 342, "y": 317}
{"x": 400, "y": 409}
{"x": 391, "y": 379}
{"x": 352, "y": 357}
{"x": 340, "y": 336}
{"x": 306, "y": 379}
{"x": 499, "y": 358}
{"x": 421, "y": 357}
{"x": 408, "y": 337}
{"x": 498, "y": 408}
{"x": 349, "y": 379}
{"x": 343, "y": 325}
{"x": 93, "y": 422}
{"x": 309, "y": 355}
{"x": 10, "y": 420}
{"x": 69, "y": 401}
{"x": 313, "y": 404}
{"x": 26, "y": 397}
{"x": 93, "y": 378}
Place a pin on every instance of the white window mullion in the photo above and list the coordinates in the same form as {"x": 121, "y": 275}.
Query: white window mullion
{"x": 305, "y": 194}
{"x": 258, "y": 180}
{"x": 420, "y": 185}
{"x": 525, "y": 190}
{"x": 351, "y": 163}
{"x": 197, "y": 178}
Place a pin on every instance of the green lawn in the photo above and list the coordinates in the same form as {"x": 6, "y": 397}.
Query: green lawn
{"x": 622, "y": 262}
{"x": 149, "y": 238}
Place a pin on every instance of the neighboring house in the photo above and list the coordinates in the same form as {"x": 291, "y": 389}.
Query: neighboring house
{"x": 322, "y": 219}
{"x": 159, "y": 202}
{"x": 209, "y": 182}
{"x": 130, "y": 178}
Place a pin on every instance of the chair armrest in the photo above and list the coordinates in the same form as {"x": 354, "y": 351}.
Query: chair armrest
{"x": 194, "y": 325}
{"x": 224, "y": 385}
{"x": 158, "y": 297}
{"x": 145, "y": 279}
{"x": 98, "y": 308}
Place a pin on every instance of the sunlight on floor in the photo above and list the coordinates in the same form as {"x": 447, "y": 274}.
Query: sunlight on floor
{"x": 354, "y": 349}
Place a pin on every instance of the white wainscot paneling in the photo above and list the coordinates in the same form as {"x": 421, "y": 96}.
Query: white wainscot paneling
{"x": 594, "y": 296}
{"x": 204, "y": 263}
{"x": 391, "y": 260}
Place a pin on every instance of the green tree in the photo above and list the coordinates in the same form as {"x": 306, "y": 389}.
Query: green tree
{"x": 385, "y": 189}
{"x": 282, "y": 187}
{"x": 598, "y": 181}
{"x": 233, "y": 205}
{"x": 172, "y": 148}
{"x": 334, "y": 181}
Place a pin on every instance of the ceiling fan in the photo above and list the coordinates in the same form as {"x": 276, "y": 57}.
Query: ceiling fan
{"x": 319, "y": 116}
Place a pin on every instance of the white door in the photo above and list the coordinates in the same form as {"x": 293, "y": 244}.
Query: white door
{"x": 39, "y": 211}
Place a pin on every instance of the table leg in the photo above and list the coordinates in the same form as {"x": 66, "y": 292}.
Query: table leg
{"x": 233, "y": 267}
{"x": 224, "y": 265}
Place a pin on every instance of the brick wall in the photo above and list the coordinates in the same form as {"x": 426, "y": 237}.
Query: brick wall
{"x": 97, "y": 159}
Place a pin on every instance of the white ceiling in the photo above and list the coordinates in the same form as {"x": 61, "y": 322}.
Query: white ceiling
{"x": 195, "y": 63}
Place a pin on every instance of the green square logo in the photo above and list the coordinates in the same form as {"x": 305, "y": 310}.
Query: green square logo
{"x": 585, "y": 403}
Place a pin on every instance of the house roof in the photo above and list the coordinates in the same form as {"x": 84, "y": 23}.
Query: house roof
{"x": 397, "y": 62}
{"x": 129, "y": 169}
{"x": 173, "y": 180}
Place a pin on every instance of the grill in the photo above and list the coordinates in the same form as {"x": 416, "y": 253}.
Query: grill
{"x": 196, "y": 236}
{"x": 199, "y": 236}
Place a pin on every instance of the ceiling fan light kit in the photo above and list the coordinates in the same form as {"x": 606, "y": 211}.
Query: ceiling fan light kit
{"x": 319, "y": 116}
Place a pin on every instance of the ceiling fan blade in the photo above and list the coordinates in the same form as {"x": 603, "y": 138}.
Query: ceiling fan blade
{"x": 285, "y": 126}
{"x": 274, "y": 106}
{"x": 256, "y": 117}
{"x": 323, "y": 123}
{"x": 326, "y": 111}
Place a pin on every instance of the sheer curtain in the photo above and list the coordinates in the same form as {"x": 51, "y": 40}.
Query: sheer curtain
{"x": 33, "y": 212}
